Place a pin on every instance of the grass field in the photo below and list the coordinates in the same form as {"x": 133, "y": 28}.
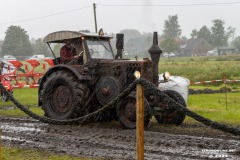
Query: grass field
{"x": 10, "y": 153}
{"x": 202, "y": 68}
{"x": 218, "y": 107}
{"x": 26, "y": 96}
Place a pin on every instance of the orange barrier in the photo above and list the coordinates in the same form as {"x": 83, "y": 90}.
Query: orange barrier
{"x": 27, "y": 74}
{"x": 214, "y": 81}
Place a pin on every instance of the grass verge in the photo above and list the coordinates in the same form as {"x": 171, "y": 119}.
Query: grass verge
{"x": 26, "y": 96}
{"x": 222, "y": 107}
{"x": 9, "y": 153}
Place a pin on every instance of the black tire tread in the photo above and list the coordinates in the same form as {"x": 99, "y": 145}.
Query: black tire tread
{"x": 147, "y": 115}
{"x": 178, "y": 115}
{"x": 80, "y": 94}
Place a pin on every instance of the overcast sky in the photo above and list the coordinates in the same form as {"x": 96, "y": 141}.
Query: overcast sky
{"x": 45, "y": 16}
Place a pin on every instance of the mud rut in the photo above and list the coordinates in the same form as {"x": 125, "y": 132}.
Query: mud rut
{"x": 110, "y": 141}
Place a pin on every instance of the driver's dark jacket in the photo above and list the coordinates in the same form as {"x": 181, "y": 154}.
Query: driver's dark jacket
{"x": 67, "y": 53}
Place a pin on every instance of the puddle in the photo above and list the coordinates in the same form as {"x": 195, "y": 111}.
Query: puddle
{"x": 22, "y": 127}
{"x": 3, "y": 137}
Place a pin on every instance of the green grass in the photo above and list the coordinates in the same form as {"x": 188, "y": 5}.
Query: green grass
{"x": 18, "y": 113}
{"x": 9, "y": 153}
{"x": 26, "y": 96}
{"x": 202, "y": 68}
{"x": 216, "y": 107}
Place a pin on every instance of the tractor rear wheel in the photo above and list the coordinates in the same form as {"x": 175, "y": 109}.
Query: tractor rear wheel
{"x": 170, "y": 115}
{"x": 64, "y": 96}
{"x": 127, "y": 112}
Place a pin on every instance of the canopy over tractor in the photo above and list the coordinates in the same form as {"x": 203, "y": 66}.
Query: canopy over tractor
{"x": 61, "y": 36}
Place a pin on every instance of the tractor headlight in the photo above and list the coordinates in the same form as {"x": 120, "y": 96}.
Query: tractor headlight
{"x": 166, "y": 76}
{"x": 137, "y": 74}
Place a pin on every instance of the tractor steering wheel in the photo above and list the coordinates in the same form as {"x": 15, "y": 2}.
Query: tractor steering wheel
{"x": 80, "y": 54}
{"x": 91, "y": 51}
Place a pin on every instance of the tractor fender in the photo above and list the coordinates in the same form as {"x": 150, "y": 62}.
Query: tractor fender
{"x": 75, "y": 70}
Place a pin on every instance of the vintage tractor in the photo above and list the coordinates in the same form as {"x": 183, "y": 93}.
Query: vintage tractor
{"x": 70, "y": 91}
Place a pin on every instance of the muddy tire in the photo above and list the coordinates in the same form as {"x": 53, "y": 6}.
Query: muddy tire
{"x": 64, "y": 96}
{"x": 127, "y": 112}
{"x": 171, "y": 116}
{"x": 39, "y": 81}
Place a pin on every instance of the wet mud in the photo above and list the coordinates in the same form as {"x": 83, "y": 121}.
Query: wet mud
{"x": 107, "y": 140}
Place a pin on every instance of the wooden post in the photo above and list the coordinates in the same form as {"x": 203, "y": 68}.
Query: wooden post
{"x": 140, "y": 122}
{"x": 0, "y": 144}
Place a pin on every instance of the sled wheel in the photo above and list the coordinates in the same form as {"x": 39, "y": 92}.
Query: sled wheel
{"x": 170, "y": 115}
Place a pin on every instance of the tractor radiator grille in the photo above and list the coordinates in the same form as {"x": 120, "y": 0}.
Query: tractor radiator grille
{"x": 131, "y": 68}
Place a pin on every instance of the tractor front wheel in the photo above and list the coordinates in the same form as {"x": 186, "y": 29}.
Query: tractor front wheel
{"x": 127, "y": 112}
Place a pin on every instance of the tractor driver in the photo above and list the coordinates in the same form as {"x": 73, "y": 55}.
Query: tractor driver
{"x": 68, "y": 54}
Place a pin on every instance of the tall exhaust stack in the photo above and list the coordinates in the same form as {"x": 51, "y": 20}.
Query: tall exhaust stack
{"x": 155, "y": 53}
{"x": 119, "y": 45}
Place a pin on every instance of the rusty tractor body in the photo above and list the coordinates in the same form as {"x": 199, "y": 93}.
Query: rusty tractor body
{"x": 72, "y": 90}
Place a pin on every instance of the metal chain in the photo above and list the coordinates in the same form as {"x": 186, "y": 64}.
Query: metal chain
{"x": 127, "y": 91}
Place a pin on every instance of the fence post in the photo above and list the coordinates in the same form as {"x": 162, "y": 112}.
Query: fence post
{"x": 0, "y": 144}
{"x": 140, "y": 120}
{"x": 225, "y": 84}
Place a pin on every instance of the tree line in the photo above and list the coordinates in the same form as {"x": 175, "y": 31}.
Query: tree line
{"x": 217, "y": 36}
{"x": 17, "y": 41}
{"x": 170, "y": 39}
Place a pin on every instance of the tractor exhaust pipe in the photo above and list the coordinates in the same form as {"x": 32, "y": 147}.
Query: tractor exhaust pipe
{"x": 155, "y": 53}
{"x": 119, "y": 45}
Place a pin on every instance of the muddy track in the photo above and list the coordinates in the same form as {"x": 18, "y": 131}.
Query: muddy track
{"x": 110, "y": 141}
